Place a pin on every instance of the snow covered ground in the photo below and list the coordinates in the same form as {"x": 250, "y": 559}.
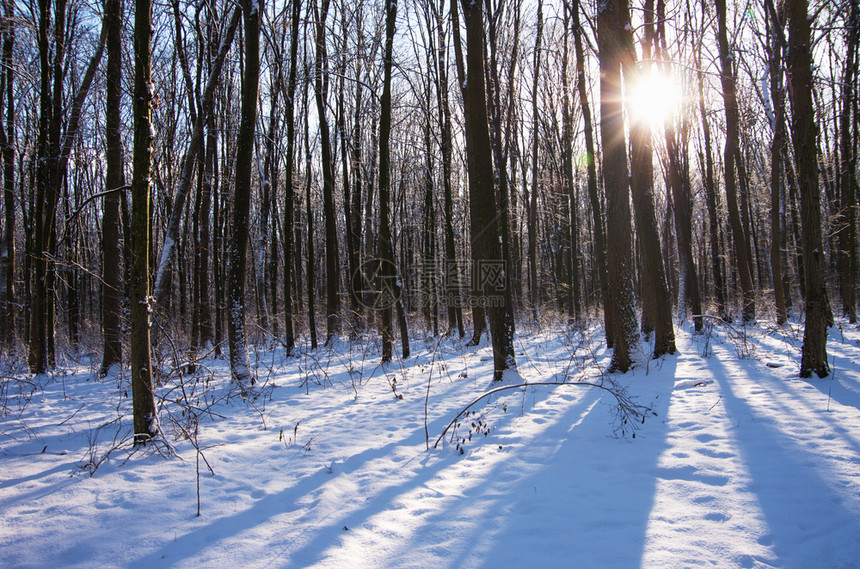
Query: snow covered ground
{"x": 739, "y": 462}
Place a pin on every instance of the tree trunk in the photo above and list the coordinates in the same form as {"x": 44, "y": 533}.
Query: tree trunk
{"x": 38, "y": 354}
{"x": 111, "y": 236}
{"x": 357, "y": 285}
{"x": 848, "y": 176}
{"x": 388, "y": 285}
{"x": 7, "y": 245}
{"x": 348, "y": 217}
{"x": 143, "y": 400}
{"x": 490, "y": 262}
{"x": 332, "y": 263}
{"x": 622, "y": 301}
{"x": 429, "y": 270}
{"x": 591, "y": 168}
{"x": 777, "y": 96}
{"x": 574, "y": 293}
{"x": 730, "y": 101}
{"x": 711, "y": 195}
{"x": 679, "y": 181}
{"x": 311, "y": 272}
{"x": 479, "y": 313}
{"x": 534, "y": 285}
{"x": 289, "y": 189}
{"x": 202, "y": 308}
{"x": 268, "y": 207}
{"x": 818, "y": 314}
{"x": 239, "y": 364}
{"x": 499, "y": 152}
{"x": 657, "y": 303}
{"x": 452, "y": 269}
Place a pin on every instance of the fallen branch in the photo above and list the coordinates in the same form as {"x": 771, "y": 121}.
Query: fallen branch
{"x": 627, "y": 408}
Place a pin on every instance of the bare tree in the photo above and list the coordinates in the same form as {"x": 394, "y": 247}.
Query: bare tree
{"x": 7, "y": 145}
{"x": 711, "y": 193}
{"x": 143, "y": 400}
{"x": 388, "y": 286}
{"x": 479, "y": 314}
{"x": 332, "y": 263}
{"x": 239, "y": 364}
{"x": 289, "y": 189}
{"x": 848, "y": 175}
{"x": 727, "y": 77}
{"x": 534, "y": 285}
{"x": 56, "y": 140}
{"x": 486, "y": 236}
{"x": 114, "y": 180}
{"x": 818, "y": 314}
{"x": 777, "y": 97}
{"x": 656, "y": 301}
{"x": 679, "y": 182}
{"x": 452, "y": 283}
{"x": 622, "y": 302}
{"x": 574, "y": 289}
{"x": 591, "y": 169}
{"x": 195, "y": 147}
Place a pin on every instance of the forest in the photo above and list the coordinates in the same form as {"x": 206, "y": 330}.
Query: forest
{"x": 208, "y": 178}
{"x": 429, "y": 283}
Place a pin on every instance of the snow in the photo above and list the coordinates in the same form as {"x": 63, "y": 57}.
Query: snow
{"x": 739, "y": 462}
{"x": 690, "y": 383}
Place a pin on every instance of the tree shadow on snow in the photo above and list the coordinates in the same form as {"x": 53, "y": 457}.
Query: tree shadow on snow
{"x": 810, "y": 522}
{"x": 548, "y": 488}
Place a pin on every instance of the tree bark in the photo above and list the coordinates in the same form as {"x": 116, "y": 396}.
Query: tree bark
{"x": 777, "y": 96}
{"x": 848, "y": 176}
{"x": 657, "y": 303}
{"x": 332, "y": 263}
{"x": 388, "y": 285}
{"x": 490, "y": 262}
{"x": 239, "y": 364}
{"x": 818, "y": 314}
{"x": 479, "y": 313}
{"x": 111, "y": 234}
{"x": 730, "y": 101}
{"x": 622, "y": 301}
{"x": 534, "y": 285}
{"x": 452, "y": 269}
{"x": 591, "y": 169}
{"x": 143, "y": 400}
{"x": 289, "y": 189}
{"x": 7, "y": 245}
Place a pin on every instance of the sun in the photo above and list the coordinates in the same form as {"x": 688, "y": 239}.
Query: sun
{"x": 654, "y": 98}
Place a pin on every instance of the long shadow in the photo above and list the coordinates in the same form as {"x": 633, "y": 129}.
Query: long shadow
{"x": 809, "y": 524}
{"x": 275, "y": 504}
{"x": 66, "y": 466}
{"x": 835, "y": 387}
{"x": 563, "y": 479}
{"x": 600, "y": 496}
{"x": 841, "y": 386}
{"x": 602, "y": 492}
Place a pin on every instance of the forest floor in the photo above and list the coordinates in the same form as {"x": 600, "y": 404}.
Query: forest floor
{"x": 739, "y": 462}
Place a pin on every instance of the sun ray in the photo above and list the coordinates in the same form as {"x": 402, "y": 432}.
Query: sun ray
{"x": 654, "y": 97}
